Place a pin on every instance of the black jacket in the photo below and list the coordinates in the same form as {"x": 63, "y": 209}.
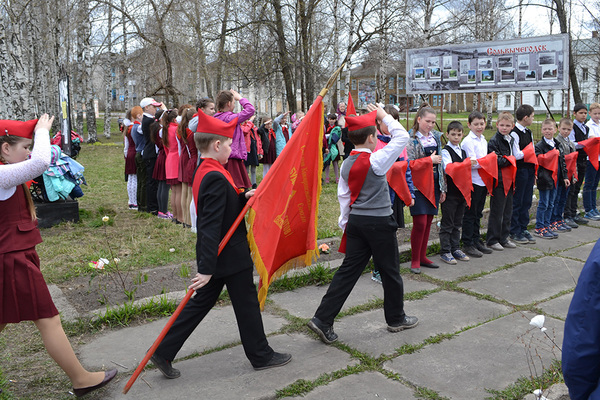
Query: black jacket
{"x": 219, "y": 204}
{"x": 579, "y": 136}
{"x": 544, "y": 176}
{"x": 501, "y": 147}
{"x": 524, "y": 139}
{"x": 149, "y": 148}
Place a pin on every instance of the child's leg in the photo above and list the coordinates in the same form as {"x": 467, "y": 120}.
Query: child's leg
{"x": 595, "y": 189}
{"x": 447, "y": 225}
{"x": 472, "y": 216}
{"x": 424, "y": 259}
{"x": 132, "y": 189}
{"x": 186, "y": 198}
{"x": 253, "y": 174}
{"x": 548, "y": 213}
{"x": 497, "y": 203}
{"x": 336, "y": 171}
{"x": 266, "y": 168}
{"x": 326, "y": 174}
{"x": 176, "y": 202}
{"x": 163, "y": 196}
{"x": 60, "y": 350}
{"x": 244, "y": 299}
{"x": 459, "y": 211}
{"x": 588, "y": 187}
{"x": 416, "y": 239}
{"x": 505, "y": 231}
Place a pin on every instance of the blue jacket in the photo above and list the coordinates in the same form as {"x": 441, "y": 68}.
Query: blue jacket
{"x": 581, "y": 343}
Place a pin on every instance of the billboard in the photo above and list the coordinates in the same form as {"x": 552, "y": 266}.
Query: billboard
{"x": 534, "y": 63}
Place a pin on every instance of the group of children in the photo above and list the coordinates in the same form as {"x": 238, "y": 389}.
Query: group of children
{"x": 507, "y": 167}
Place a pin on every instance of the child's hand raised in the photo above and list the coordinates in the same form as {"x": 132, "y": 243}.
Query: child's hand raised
{"x": 381, "y": 114}
{"x": 44, "y": 122}
{"x": 236, "y": 95}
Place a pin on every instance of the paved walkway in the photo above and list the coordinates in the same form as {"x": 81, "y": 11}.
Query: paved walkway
{"x": 469, "y": 339}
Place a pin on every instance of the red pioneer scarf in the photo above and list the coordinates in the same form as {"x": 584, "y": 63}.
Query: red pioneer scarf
{"x": 422, "y": 174}
{"x": 489, "y": 170}
{"x": 396, "y": 178}
{"x": 550, "y": 162}
{"x": 460, "y": 172}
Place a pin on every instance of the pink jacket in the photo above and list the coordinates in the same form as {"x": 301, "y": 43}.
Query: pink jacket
{"x": 238, "y": 146}
{"x": 172, "y": 152}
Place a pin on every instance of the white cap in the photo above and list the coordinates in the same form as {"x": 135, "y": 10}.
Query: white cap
{"x": 147, "y": 101}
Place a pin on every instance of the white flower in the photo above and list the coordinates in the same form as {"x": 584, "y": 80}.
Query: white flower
{"x": 580, "y": 196}
{"x": 105, "y": 218}
{"x": 117, "y": 260}
{"x": 172, "y": 250}
{"x": 543, "y": 329}
{"x": 103, "y": 260}
{"x": 534, "y": 197}
{"x": 538, "y": 321}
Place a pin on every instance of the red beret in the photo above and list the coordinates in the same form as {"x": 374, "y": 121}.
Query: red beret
{"x": 362, "y": 121}
{"x": 215, "y": 126}
{"x": 23, "y": 129}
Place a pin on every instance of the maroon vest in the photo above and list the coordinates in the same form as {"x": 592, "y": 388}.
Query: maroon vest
{"x": 17, "y": 230}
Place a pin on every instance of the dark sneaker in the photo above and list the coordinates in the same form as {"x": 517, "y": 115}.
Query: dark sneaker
{"x": 562, "y": 227}
{"x": 376, "y": 277}
{"x": 570, "y": 223}
{"x": 448, "y": 258}
{"x": 528, "y": 236}
{"x": 407, "y": 323}
{"x": 580, "y": 220}
{"x": 415, "y": 270}
{"x": 519, "y": 239}
{"x": 592, "y": 216}
{"x": 543, "y": 233}
{"x": 460, "y": 255}
{"x": 483, "y": 248}
{"x": 472, "y": 251}
{"x": 278, "y": 360}
{"x": 165, "y": 367}
{"x": 325, "y": 332}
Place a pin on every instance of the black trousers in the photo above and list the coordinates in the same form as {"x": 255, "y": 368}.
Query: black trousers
{"x": 572, "y": 197}
{"x": 140, "y": 166}
{"x": 501, "y": 210}
{"x": 522, "y": 198}
{"x": 472, "y": 217}
{"x": 453, "y": 210}
{"x": 151, "y": 187}
{"x": 244, "y": 299}
{"x": 365, "y": 237}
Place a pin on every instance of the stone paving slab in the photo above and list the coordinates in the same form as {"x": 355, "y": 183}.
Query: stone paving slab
{"x": 486, "y": 263}
{"x": 581, "y": 252}
{"x": 66, "y": 310}
{"x": 363, "y": 386}
{"x": 303, "y": 302}
{"x": 488, "y": 356}
{"x": 227, "y": 374}
{"x": 128, "y": 346}
{"x": 443, "y": 312}
{"x": 557, "y": 307}
{"x": 581, "y": 235}
{"x": 529, "y": 282}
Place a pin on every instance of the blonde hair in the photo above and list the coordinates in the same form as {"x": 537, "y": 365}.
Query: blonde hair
{"x": 594, "y": 106}
{"x": 505, "y": 116}
{"x": 549, "y": 121}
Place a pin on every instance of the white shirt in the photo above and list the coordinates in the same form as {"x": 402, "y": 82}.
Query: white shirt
{"x": 12, "y": 175}
{"x": 572, "y": 134}
{"x": 475, "y": 147}
{"x": 550, "y": 142}
{"x": 446, "y": 157}
{"x": 381, "y": 162}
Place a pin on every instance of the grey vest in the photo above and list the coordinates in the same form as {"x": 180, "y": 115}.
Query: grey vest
{"x": 374, "y": 197}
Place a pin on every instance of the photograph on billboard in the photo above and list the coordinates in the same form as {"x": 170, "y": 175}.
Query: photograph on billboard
{"x": 535, "y": 63}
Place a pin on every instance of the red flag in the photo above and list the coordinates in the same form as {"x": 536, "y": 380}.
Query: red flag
{"x": 282, "y": 220}
{"x": 350, "y": 110}
{"x": 489, "y": 170}
{"x": 571, "y": 163}
{"x": 396, "y": 178}
{"x": 460, "y": 172}
{"x": 512, "y": 173}
{"x": 550, "y": 162}
{"x": 529, "y": 155}
{"x": 422, "y": 174}
{"x": 591, "y": 147}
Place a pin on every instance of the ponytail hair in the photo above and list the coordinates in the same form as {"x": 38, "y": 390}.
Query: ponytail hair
{"x": 166, "y": 119}
{"x": 424, "y": 109}
{"x": 182, "y": 132}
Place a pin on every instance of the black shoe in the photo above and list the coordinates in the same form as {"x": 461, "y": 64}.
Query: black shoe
{"x": 472, "y": 251}
{"x": 570, "y": 223}
{"x": 108, "y": 376}
{"x": 407, "y": 323}
{"x": 483, "y": 248}
{"x": 278, "y": 360}
{"x": 432, "y": 265}
{"x": 325, "y": 332}
{"x": 580, "y": 220}
{"x": 165, "y": 367}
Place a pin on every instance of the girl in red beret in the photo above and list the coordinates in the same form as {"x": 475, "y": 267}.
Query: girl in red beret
{"x": 24, "y": 295}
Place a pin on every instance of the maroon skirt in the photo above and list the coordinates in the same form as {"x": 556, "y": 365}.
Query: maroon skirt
{"x": 238, "y": 172}
{"x": 130, "y": 168}
{"x": 160, "y": 172}
{"x": 183, "y": 170}
{"x": 24, "y": 295}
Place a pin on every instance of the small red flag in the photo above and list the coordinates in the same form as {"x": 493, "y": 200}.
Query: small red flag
{"x": 460, "y": 172}
{"x": 489, "y": 170}
{"x": 591, "y": 147}
{"x": 396, "y": 178}
{"x": 549, "y": 161}
{"x": 350, "y": 110}
{"x": 422, "y": 174}
{"x": 571, "y": 163}
{"x": 512, "y": 173}
{"x": 529, "y": 155}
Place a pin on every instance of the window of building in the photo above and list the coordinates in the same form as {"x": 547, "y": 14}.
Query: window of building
{"x": 537, "y": 100}
{"x": 508, "y": 100}
{"x": 436, "y": 99}
{"x": 584, "y": 74}
{"x": 400, "y": 83}
{"x": 391, "y": 84}
{"x": 550, "y": 99}
{"x": 353, "y": 84}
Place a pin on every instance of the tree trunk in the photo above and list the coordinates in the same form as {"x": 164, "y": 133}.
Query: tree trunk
{"x": 561, "y": 14}
{"x": 221, "y": 53}
{"x": 286, "y": 65}
{"x": 90, "y": 117}
{"x": 108, "y": 76}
